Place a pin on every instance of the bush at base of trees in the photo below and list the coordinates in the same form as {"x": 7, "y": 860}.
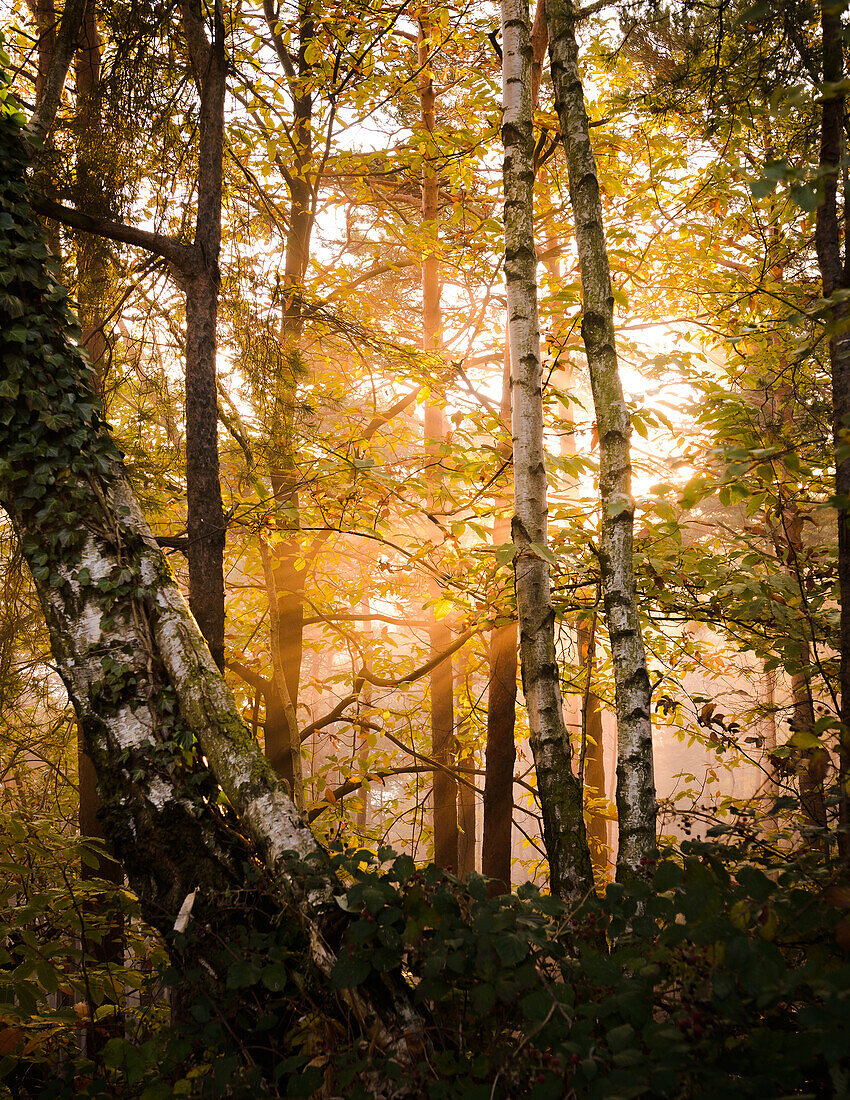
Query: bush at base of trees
{"x": 726, "y": 976}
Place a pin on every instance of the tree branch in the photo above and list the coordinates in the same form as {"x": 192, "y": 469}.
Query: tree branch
{"x": 178, "y": 255}
{"x": 251, "y": 678}
{"x": 429, "y": 666}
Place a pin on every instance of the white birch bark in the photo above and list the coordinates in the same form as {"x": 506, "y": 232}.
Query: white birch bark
{"x": 636, "y": 806}
{"x": 564, "y": 836}
{"x": 158, "y": 721}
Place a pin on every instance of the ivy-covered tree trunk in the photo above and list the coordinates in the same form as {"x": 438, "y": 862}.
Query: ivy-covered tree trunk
{"x": 187, "y": 798}
{"x": 570, "y": 872}
{"x": 92, "y": 291}
{"x": 636, "y": 805}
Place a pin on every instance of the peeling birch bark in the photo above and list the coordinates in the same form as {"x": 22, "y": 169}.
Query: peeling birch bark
{"x": 636, "y": 805}
{"x": 570, "y": 873}
{"x": 158, "y": 721}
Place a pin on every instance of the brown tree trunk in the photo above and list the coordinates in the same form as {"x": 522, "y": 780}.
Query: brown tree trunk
{"x": 44, "y": 16}
{"x": 501, "y": 698}
{"x": 92, "y": 254}
{"x": 443, "y": 744}
{"x": 466, "y": 794}
{"x": 592, "y": 768}
{"x": 286, "y": 575}
{"x": 835, "y": 276}
{"x": 205, "y": 518}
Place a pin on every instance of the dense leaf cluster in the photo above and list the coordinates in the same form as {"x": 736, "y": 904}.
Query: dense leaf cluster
{"x": 724, "y": 977}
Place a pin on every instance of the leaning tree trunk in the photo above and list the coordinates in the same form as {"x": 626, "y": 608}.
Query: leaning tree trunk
{"x": 158, "y": 722}
{"x": 636, "y": 806}
{"x": 92, "y": 289}
{"x": 564, "y": 836}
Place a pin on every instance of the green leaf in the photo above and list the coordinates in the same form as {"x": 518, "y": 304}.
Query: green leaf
{"x": 275, "y": 977}
{"x": 350, "y": 970}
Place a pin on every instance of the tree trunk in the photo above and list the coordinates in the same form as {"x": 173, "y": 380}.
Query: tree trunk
{"x": 835, "y": 276}
{"x": 44, "y": 17}
{"x": 497, "y": 846}
{"x": 161, "y": 728}
{"x": 196, "y": 268}
{"x": 286, "y": 572}
{"x": 570, "y": 872}
{"x": 592, "y": 767}
{"x": 443, "y": 743}
{"x": 92, "y": 288}
{"x": 636, "y": 805}
{"x": 205, "y": 519}
{"x": 466, "y": 794}
{"x": 592, "y": 770}
{"x": 92, "y": 253}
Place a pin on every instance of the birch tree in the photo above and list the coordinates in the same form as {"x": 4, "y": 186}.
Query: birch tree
{"x": 570, "y": 872}
{"x": 636, "y": 806}
{"x": 187, "y": 797}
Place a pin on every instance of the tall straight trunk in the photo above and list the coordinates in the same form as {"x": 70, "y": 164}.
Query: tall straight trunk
{"x": 636, "y": 805}
{"x": 592, "y": 757}
{"x": 835, "y": 276}
{"x": 286, "y": 569}
{"x": 592, "y": 769}
{"x": 196, "y": 268}
{"x": 496, "y": 844}
{"x": 92, "y": 253}
{"x": 142, "y": 682}
{"x": 205, "y": 517}
{"x": 570, "y": 872}
{"x": 443, "y": 744}
{"x": 466, "y": 795}
{"x": 44, "y": 17}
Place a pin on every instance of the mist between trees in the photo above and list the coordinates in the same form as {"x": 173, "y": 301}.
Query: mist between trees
{"x": 425, "y": 635}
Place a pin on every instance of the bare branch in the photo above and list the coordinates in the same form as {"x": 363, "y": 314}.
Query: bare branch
{"x": 178, "y": 255}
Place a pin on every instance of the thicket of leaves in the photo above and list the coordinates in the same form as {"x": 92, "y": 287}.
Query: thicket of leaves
{"x": 725, "y": 974}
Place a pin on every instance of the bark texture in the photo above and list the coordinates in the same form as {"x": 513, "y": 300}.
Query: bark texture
{"x": 205, "y": 518}
{"x": 835, "y": 276}
{"x": 570, "y": 872}
{"x": 196, "y": 268}
{"x": 158, "y": 722}
{"x": 636, "y": 805}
